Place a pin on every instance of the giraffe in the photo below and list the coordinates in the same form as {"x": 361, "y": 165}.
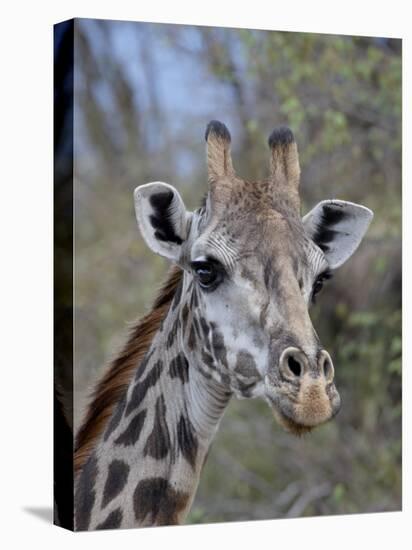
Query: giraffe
{"x": 231, "y": 320}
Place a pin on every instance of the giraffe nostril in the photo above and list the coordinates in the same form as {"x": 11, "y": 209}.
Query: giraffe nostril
{"x": 326, "y": 366}
{"x": 294, "y": 366}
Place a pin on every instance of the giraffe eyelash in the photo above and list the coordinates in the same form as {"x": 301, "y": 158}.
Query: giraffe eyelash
{"x": 318, "y": 284}
{"x": 327, "y": 274}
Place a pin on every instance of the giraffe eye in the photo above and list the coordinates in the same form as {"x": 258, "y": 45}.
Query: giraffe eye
{"x": 209, "y": 274}
{"x": 317, "y": 287}
{"x": 318, "y": 284}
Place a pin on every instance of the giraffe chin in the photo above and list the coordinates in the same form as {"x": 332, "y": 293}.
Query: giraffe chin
{"x": 290, "y": 425}
{"x": 299, "y": 412}
{"x": 296, "y": 427}
{"x": 283, "y": 415}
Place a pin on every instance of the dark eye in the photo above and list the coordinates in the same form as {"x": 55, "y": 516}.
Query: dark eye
{"x": 317, "y": 287}
{"x": 209, "y": 274}
{"x": 318, "y": 284}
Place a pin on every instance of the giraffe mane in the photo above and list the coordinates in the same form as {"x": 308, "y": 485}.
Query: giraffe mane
{"x": 115, "y": 381}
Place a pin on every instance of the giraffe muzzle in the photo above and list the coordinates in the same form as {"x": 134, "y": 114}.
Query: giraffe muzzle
{"x": 302, "y": 393}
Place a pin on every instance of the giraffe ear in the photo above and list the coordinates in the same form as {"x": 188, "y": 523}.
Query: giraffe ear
{"x": 338, "y": 228}
{"x": 162, "y": 218}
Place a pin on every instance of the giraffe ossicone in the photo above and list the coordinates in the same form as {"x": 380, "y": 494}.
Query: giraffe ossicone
{"x": 232, "y": 320}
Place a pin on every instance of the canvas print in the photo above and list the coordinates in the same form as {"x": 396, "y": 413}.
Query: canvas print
{"x": 227, "y": 274}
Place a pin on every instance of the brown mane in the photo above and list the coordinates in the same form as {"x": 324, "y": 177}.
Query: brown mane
{"x": 115, "y": 381}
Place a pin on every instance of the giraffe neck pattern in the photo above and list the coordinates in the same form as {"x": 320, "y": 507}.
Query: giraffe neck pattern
{"x": 146, "y": 467}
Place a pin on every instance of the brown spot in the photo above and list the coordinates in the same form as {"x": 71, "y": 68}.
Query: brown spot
{"x": 194, "y": 299}
{"x": 191, "y": 342}
{"x": 187, "y": 440}
{"x": 116, "y": 417}
{"x": 185, "y": 314}
{"x": 177, "y": 296}
{"x": 158, "y": 442}
{"x": 116, "y": 480}
{"x": 179, "y": 368}
{"x": 205, "y": 327}
{"x": 155, "y": 502}
{"x": 219, "y": 348}
{"x": 245, "y": 365}
{"x": 131, "y": 434}
{"x": 173, "y": 333}
{"x": 141, "y": 388}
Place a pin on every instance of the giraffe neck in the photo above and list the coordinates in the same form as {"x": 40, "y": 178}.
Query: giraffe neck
{"x": 146, "y": 467}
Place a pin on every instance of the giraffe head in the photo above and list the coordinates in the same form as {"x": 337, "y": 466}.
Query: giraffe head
{"x": 255, "y": 266}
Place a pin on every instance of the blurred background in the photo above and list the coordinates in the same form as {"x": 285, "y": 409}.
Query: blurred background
{"x": 143, "y": 96}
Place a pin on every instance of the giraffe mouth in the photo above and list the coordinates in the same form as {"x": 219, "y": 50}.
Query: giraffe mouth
{"x": 299, "y": 408}
{"x": 289, "y": 418}
{"x": 302, "y": 416}
{"x": 289, "y": 424}
{"x": 285, "y": 419}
